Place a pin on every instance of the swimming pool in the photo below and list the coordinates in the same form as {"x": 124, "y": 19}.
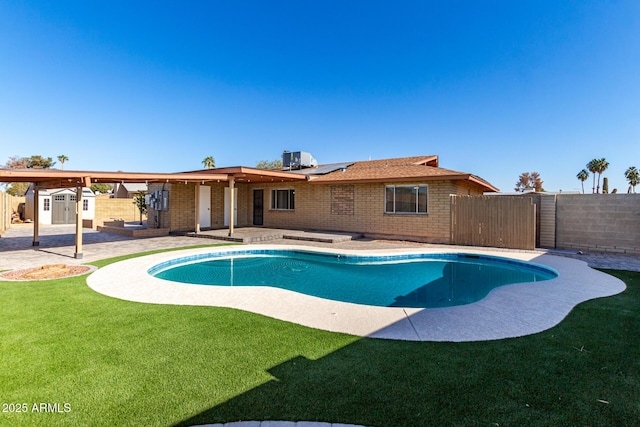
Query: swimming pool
{"x": 409, "y": 280}
{"x": 506, "y": 312}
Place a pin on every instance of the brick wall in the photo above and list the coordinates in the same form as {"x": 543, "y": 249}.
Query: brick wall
{"x": 598, "y": 222}
{"x": 350, "y": 207}
{"x": 360, "y": 208}
{"x": 181, "y": 215}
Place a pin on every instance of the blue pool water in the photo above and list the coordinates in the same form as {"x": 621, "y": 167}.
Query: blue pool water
{"x": 422, "y": 280}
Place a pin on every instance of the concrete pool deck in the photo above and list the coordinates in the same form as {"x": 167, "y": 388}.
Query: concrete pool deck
{"x": 508, "y": 311}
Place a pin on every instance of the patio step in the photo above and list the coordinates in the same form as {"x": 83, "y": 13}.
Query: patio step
{"x": 239, "y": 238}
{"x": 321, "y": 237}
{"x": 257, "y": 235}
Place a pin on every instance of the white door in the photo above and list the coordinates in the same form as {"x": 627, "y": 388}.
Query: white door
{"x": 204, "y": 216}
{"x": 226, "y": 206}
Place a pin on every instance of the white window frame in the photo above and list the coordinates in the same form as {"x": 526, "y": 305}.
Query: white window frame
{"x": 416, "y": 192}
{"x": 85, "y": 204}
{"x": 290, "y": 200}
{"x": 46, "y": 205}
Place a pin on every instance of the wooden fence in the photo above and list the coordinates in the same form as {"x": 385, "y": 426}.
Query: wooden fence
{"x": 8, "y": 205}
{"x": 496, "y": 221}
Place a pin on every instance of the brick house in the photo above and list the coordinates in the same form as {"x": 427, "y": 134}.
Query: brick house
{"x": 402, "y": 198}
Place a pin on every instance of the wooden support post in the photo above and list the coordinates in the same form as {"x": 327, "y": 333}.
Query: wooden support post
{"x": 36, "y": 215}
{"x": 78, "y": 254}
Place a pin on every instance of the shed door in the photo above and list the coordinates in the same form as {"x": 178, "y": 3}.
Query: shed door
{"x": 63, "y": 209}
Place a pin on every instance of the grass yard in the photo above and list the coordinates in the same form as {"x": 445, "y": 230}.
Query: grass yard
{"x": 105, "y": 361}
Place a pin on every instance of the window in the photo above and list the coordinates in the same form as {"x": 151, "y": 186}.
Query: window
{"x": 282, "y": 199}
{"x": 85, "y": 205}
{"x": 46, "y": 205}
{"x": 405, "y": 199}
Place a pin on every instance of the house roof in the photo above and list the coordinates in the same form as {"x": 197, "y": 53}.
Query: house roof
{"x": 133, "y": 187}
{"x": 419, "y": 168}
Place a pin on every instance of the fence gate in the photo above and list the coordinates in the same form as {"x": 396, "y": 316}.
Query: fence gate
{"x": 496, "y": 221}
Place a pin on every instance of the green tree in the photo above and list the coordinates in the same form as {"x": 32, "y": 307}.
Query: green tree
{"x": 529, "y": 181}
{"x": 62, "y": 158}
{"x": 582, "y": 176}
{"x": 209, "y": 162}
{"x": 141, "y": 204}
{"x": 17, "y": 188}
{"x": 269, "y": 164}
{"x": 32, "y": 162}
{"x": 633, "y": 176}
{"x": 101, "y": 188}
{"x": 39, "y": 162}
{"x": 592, "y": 166}
{"x": 601, "y": 166}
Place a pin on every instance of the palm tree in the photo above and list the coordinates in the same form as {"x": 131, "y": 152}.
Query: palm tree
{"x": 582, "y": 176}
{"x": 592, "y": 166}
{"x": 209, "y": 162}
{"x": 602, "y": 166}
{"x": 62, "y": 158}
{"x": 632, "y": 176}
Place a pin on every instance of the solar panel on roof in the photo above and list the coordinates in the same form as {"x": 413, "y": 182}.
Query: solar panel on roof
{"x": 324, "y": 169}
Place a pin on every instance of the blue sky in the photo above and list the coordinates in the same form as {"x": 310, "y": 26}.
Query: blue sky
{"x": 495, "y": 88}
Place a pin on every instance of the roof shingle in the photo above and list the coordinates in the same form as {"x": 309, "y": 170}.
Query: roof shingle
{"x": 418, "y": 168}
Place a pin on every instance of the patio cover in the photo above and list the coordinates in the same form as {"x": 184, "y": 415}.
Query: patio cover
{"x": 54, "y": 178}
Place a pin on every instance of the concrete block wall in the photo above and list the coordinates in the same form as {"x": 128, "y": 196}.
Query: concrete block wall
{"x": 598, "y": 222}
{"x": 107, "y": 209}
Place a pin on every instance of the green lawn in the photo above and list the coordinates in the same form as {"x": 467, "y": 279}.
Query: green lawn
{"x": 111, "y": 362}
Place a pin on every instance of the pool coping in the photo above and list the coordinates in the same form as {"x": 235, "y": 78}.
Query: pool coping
{"x": 508, "y": 311}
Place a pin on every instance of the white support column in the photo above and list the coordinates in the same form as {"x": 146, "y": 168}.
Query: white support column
{"x": 78, "y": 254}
{"x": 231, "y": 203}
{"x": 197, "y": 213}
{"x": 36, "y": 215}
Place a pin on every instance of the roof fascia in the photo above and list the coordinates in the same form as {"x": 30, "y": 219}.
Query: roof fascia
{"x": 392, "y": 179}
{"x": 72, "y": 178}
{"x": 451, "y": 177}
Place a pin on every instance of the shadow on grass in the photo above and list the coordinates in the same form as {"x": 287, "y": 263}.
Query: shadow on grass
{"x": 582, "y": 372}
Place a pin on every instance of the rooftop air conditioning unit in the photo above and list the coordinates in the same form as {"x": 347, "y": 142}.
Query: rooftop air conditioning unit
{"x": 298, "y": 160}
